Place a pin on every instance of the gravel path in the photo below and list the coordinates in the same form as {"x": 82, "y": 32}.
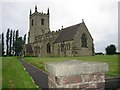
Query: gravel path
{"x": 40, "y": 78}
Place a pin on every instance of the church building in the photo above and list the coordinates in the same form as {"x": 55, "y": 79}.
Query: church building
{"x": 74, "y": 40}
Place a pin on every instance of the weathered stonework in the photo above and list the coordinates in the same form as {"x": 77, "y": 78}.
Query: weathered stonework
{"x": 76, "y": 74}
{"x": 74, "y": 40}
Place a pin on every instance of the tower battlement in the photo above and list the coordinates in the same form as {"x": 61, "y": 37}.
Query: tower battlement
{"x": 38, "y": 24}
{"x": 40, "y": 13}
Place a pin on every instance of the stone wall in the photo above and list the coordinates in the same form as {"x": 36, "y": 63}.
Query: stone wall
{"x": 76, "y": 74}
{"x": 37, "y": 28}
{"x": 81, "y": 51}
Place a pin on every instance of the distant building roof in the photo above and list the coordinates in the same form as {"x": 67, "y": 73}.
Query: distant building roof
{"x": 67, "y": 34}
{"x": 28, "y": 48}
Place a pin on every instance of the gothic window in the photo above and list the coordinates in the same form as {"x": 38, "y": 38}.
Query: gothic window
{"x": 32, "y": 22}
{"x": 42, "y": 21}
{"x": 84, "y": 40}
{"x": 62, "y": 47}
{"x": 48, "y": 48}
{"x": 58, "y": 49}
{"x": 68, "y": 46}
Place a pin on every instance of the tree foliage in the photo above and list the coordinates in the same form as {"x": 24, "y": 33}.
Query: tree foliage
{"x": 7, "y": 41}
{"x": 10, "y": 45}
{"x": 111, "y": 49}
{"x": 18, "y": 46}
{"x": 16, "y": 38}
{"x": 17, "y": 34}
{"x": 14, "y": 43}
{"x": 24, "y": 39}
{"x": 3, "y": 52}
{"x": 0, "y": 45}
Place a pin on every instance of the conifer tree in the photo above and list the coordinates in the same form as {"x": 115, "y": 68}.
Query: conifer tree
{"x": 3, "y": 52}
{"x": 24, "y": 39}
{"x": 18, "y": 46}
{"x": 10, "y": 44}
{"x": 13, "y": 44}
{"x": 17, "y": 34}
{"x": 7, "y": 42}
{"x": 16, "y": 38}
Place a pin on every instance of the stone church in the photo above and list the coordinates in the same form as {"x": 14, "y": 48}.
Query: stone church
{"x": 73, "y": 40}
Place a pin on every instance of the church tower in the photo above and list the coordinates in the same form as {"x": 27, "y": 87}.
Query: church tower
{"x": 38, "y": 24}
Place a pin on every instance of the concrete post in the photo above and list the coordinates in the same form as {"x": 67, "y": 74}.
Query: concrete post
{"x": 76, "y": 74}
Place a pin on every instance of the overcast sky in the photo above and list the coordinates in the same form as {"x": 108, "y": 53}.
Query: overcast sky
{"x": 100, "y": 17}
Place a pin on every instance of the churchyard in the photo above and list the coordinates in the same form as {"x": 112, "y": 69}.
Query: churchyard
{"x": 111, "y": 60}
{"x": 14, "y": 76}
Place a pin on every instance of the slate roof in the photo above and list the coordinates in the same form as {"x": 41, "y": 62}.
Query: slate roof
{"x": 29, "y": 48}
{"x": 67, "y": 34}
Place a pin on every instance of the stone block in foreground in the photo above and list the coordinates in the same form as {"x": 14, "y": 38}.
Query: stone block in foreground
{"x": 76, "y": 74}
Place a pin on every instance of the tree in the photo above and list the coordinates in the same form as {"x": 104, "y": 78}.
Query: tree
{"x": 16, "y": 38}
{"x": 17, "y": 34}
{"x": 24, "y": 39}
{"x": 7, "y": 41}
{"x": 111, "y": 49}
{"x": 13, "y": 46}
{"x": 18, "y": 46}
{"x": 2, "y": 44}
{"x": 10, "y": 44}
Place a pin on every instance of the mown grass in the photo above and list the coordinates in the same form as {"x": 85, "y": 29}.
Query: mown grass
{"x": 13, "y": 74}
{"x": 0, "y": 73}
{"x": 111, "y": 60}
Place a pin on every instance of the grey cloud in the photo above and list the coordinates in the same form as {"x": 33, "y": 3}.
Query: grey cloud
{"x": 101, "y": 20}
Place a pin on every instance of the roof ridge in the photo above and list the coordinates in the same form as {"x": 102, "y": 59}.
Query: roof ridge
{"x": 71, "y": 26}
{"x": 66, "y": 34}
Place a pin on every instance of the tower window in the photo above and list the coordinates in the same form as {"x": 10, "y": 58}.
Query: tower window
{"x": 32, "y": 22}
{"x": 84, "y": 40}
{"x": 42, "y": 21}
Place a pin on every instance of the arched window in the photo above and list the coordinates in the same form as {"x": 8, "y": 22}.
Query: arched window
{"x": 32, "y": 22}
{"x": 48, "y": 48}
{"x": 62, "y": 47}
{"x": 42, "y": 21}
{"x": 84, "y": 40}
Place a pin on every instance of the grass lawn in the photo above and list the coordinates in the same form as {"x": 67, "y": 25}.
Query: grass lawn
{"x": 0, "y": 72}
{"x": 111, "y": 60}
{"x": 13, "y": 74}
